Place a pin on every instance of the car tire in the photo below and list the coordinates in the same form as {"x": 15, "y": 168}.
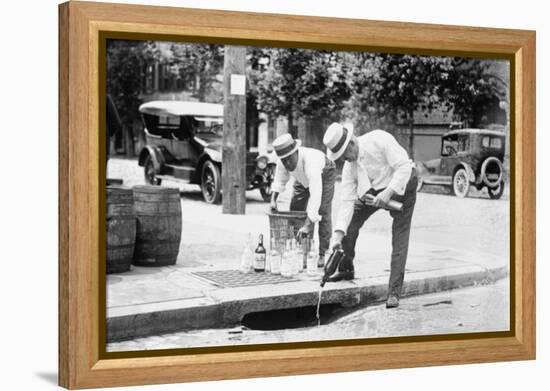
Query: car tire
{"x": 461, "y": 183}
{"x": 496, "y": 192}
{"x": 265, "y": 190}
{"x": 211, "y": 183}
{"x": 491, "y": 161}
{"x": 150, "y": 172}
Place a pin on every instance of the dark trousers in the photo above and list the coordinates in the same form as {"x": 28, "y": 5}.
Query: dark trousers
{"x": 401, "y": 228}
{"x": 300, "y": 199}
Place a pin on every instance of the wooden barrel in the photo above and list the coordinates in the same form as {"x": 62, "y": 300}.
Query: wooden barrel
{"x": 158, "y": 229}
{"x": 121, "y": 229}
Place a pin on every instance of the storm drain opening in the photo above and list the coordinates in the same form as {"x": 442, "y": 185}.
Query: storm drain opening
{"x": 294, "y": 318}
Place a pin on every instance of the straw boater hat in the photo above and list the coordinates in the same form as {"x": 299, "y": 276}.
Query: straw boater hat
{"x": 336, "y": 140}
{"x": 285, "y": 145}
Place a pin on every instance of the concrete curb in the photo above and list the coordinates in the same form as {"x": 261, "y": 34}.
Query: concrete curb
{"x": 227, "y": 307}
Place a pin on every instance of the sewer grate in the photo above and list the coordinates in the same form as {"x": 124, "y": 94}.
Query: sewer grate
{"x": 235, "y": 278}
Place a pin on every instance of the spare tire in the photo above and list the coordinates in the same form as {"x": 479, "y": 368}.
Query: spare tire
{"x": 492, "y": 172}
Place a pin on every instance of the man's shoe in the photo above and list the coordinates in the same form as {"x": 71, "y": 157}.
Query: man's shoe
{"x": 321, "y": 261}
{"x": 392, "y": 301}
{"x": 342, "y": 275}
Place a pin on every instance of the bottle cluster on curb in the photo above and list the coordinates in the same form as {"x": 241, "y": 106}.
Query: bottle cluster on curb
{"x": 287, "y": 257}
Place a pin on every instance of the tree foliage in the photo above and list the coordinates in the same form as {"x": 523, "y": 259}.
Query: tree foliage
{"x": 197, "y": 65}
{"x": 396, "y": 86}
{"x": 278, "y": 88}
{"x": 324, "y": 86}
{"x": 471, "y": 86}
{"x": 303, "y": 82}
{"x": 126, "y": 70}
{"x": 392, "y": 88}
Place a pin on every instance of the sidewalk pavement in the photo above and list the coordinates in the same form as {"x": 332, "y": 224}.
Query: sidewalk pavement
{"x": 158, "y": 300}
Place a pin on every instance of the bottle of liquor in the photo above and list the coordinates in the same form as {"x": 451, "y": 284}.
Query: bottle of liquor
{"x": 260, "y": 255}
{"x": 312, "y": 259}
{"x": 301, "y": 255}
{"x": 368, "y": 199}
{"x": 274, "y": 258}
{"x": 247, "y": 256}
{"x": 296, "y": 258}
{"x": 287, "y": 260}
{"x": 332, "y": 264}
{"x": 305, "y": 244}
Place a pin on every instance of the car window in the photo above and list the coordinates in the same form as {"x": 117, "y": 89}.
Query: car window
{"x": 167, "y": 121}
{"x": 449, "y": 146}
{"x": 150, "y": 122}
{"x": 496, "y": 142}
{"x": 491, "y": 142}
{"x": 209, "y": 125}
{"x": 463, "y": 143}
{"x": 167, "y": 125}
{"x": 155, "y": 125}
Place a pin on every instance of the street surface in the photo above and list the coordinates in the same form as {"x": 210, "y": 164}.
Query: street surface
{"x": 478, "y": 309}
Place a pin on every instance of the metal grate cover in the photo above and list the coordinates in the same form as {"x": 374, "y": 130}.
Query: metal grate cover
{"x": 235, "y": 278}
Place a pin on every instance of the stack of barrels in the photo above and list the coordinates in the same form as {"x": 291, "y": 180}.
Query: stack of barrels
{"x": 143, "y": 227}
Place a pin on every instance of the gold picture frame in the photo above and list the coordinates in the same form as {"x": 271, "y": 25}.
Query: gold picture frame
{"x": 83, "y": 28}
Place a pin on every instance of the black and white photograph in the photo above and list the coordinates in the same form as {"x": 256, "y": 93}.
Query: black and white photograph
{"x": 265, "y": 195}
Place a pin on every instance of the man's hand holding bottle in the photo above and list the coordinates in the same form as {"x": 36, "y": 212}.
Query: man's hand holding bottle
{"x": 305, "y": 231}
{"x": 383, "y": 198}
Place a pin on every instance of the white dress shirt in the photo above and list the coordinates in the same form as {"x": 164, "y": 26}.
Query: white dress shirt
{"x": 381, "y": 163}
{"x": 308, "y": 172}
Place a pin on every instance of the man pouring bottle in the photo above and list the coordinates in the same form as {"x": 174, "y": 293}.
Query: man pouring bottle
{"x": 313, "y": 190}
{"x": 376, "y": 171}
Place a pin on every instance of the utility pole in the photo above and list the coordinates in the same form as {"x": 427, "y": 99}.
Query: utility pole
{"x": 234, "y": 131}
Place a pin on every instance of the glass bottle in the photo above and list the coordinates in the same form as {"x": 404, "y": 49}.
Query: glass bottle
{"x": 287, "y": 260}
{"x": 260, "y": 255}
{"x": 274, "y": 258}
{"x": 298, "y": 257}
{"x": 312, "y": 259}
{"x": 247, "y": 257}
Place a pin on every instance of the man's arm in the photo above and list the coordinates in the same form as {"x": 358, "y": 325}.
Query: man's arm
{"x": 348, "y": 196}
{"x": 273, "y": 203}
{"x": 399, "y": 161}
{"x": 314, "y": 171}
{"x": 280, "y": 180}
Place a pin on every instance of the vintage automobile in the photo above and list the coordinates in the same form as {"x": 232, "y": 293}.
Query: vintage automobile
{"x": 469, "y": 157}
{"x": 183, "y": 142}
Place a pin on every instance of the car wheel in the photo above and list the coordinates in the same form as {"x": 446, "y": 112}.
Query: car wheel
{"x": 211, "y": 182}
{"x": 490, "y": 168}
{"x": 149, "y": 171}
{"x": 461, "y": 184}
{"x": 496, "y": 192}
{"x": 265, "y": 190}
